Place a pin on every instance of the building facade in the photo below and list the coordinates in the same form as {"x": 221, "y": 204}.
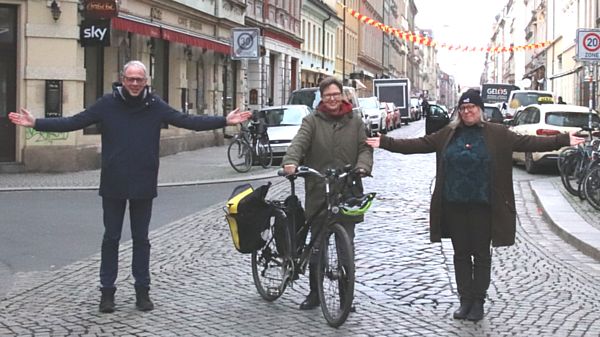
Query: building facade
{"x": 68, "y": 54}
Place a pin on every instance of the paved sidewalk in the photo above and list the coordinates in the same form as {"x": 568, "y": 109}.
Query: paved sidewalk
{"x": 206, "y": 165}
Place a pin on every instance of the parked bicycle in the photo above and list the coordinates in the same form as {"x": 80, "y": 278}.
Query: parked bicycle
{"x": 286, "y": 253}
{"x": 575, "y": 162}
{"x": 250, "y": 146}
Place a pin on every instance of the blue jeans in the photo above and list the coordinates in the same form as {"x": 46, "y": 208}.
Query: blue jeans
{"x": 140, "y": 211}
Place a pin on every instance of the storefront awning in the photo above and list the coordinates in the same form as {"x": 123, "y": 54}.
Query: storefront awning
{"x": 359, "y": 84}
{"x": 193, "y": 40}
{"x": 155, "y": 30}
{"x": 142, "y": 28}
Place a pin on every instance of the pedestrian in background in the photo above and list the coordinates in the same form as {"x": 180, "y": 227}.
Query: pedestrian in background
{"x": 560, "y": 100}
{"x": 332, "y": 137}
{"x": 131, "y": 118}
{"x": 473, "y": 201}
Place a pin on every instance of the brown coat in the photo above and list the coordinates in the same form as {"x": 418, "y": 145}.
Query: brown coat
{"x": 324, "y": 142}
{"x": 500, "y": 143}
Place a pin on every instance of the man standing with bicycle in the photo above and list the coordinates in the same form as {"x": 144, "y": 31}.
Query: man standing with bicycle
{"x": 332, "y": 137}
{"x": 131, "y": 118}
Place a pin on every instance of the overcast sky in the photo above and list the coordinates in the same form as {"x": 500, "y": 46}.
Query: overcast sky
{"x": 460, "y": 22}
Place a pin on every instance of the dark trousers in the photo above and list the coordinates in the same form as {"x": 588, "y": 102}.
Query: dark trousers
{"x": 470, "y": 231}
{"x": 140, "y": 211}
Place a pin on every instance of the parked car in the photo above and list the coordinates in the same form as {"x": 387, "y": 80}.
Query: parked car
{"x": 392, "y": 120}
{"x": 415, "y": 109}
{"x": 492, "y": 113}
{"x": 436, "y": 119}
{"x": 283, "y": 122}
{"x": 375, "y": 115}
{"x": 521, "y": 98}
{"x": 547, "y": 120}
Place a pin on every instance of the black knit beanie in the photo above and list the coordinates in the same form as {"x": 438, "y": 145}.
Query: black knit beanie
{"x": 471, "y": 96}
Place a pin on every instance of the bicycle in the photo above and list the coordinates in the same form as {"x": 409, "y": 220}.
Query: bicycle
{"x": 249, "y": 146}
{"x": 286, "y": 253}
{"x": 574, "y": 163}
{"x": 591, "y": 181}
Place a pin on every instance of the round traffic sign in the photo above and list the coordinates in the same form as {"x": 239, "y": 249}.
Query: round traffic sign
{"x": 591, "y": 42}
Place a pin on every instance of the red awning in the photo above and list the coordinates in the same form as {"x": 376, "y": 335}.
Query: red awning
{"x": 192, "y": 40}
{"x": 136, "y": 27}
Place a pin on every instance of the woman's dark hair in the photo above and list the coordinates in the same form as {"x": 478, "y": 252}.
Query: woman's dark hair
{"x": 327, "y": 81}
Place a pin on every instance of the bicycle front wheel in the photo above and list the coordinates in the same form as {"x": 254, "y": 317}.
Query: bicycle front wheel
{"x": 239, "y": 154}
{"x": 591, "y": 187}
{"x": 569, "y": 168}
{"x": 272, "y": 266}
{"x": 335, "y": 273}
{"x": 265, "y": 154}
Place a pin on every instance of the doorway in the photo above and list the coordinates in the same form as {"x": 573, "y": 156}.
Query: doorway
{"x": 8, "y": 81}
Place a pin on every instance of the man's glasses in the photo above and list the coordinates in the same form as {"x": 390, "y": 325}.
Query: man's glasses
{"x": 332, "y": 96}
{"x": 134, "y": 80}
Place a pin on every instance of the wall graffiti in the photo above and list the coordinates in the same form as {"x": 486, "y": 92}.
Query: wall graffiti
{"x": 45, "y": 137}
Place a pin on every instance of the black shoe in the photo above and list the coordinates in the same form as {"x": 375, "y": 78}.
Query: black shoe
{"x": 463, "y": 311}
{"x": 107, "y": 301}
{"x": 142, "y": 299}
{"x": 311, "y": 301}
{"x": 476, "y": 312}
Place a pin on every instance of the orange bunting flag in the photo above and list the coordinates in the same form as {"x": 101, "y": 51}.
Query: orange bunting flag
{"x": 428, "y": 41}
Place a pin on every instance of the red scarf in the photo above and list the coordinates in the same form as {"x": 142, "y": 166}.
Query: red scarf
{"x": 344, "y": 109}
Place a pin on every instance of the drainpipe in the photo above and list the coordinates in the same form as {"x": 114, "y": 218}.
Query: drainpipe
{"x": 323, "y": 43}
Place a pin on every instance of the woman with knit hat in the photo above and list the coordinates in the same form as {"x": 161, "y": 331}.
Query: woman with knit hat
{"x": 331, "y": 137}
{"x": 473, "y": 201}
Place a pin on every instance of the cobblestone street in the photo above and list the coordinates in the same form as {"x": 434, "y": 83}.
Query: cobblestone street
{"x": 541, "y": 286}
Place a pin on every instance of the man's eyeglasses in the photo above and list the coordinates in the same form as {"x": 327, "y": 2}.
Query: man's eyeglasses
{"x": 133, "y": 80}
{"x": 332, "y": 96}
{"x": 467, "y": 107}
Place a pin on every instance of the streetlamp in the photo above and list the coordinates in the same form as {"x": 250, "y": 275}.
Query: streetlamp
{"x": 55, "y": 10}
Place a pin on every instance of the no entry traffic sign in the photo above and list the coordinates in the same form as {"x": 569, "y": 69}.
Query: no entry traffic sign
{"x": 588, "y": 45}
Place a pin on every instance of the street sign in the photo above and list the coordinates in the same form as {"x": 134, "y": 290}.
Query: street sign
{"x": 588, "y": 45}
{"x": 246, "y": 43}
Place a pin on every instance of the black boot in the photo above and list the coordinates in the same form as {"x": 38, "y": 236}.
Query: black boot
{"x": 107, "y": 301}
{"x": 312, "y": 300}
{"x": 142, "y": 299}
{"x": 476, "y": 312}
{"x": 463, "y": 311}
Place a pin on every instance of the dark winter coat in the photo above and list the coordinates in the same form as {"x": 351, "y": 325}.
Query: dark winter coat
{"x": 130, "y": 139}
{"x": 324, "y": 142}
{"x": 500, "y": 143}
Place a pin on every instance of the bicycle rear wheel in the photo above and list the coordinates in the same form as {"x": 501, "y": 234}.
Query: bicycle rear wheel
{"x": 272, "y": 266}
{"x": 591, "y": 187}
{"x": 569, "y": 170}
{"x": 239, "y": 154}
{"x": 335, "y": 273}
{"x": 265, "y": 154}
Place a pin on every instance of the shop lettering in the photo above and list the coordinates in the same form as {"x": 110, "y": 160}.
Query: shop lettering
{"x": 93, "y": 32}
{"x": 497, "y": 91}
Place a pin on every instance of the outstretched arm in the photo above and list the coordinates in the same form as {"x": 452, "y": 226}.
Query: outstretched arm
{"x": 374, "y": 142}
{"x": 236, "y": 116}
{"x": 22, "y": 118}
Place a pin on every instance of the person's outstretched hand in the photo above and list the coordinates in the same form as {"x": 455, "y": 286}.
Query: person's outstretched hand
{"x": 374, "y": 141}
{"x": 236, "y": 116}
{"x": 23, "y": 118}
{"x": 574, "y": 140}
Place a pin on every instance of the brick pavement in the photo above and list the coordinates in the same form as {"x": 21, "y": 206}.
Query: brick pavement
{"x": 405, "y": 285}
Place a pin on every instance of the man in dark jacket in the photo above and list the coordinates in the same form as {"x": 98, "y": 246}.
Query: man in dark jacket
{"x": 131, "y": 118}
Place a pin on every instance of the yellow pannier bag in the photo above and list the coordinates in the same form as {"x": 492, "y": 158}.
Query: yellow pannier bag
{"x": 247, "y": 214}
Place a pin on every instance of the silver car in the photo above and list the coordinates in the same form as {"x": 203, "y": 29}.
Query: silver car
{"x": 283, "y": 122}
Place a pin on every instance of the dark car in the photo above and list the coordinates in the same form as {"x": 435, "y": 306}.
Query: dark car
{"x": 436, "y": 119}
{"x": 492, "y": 113}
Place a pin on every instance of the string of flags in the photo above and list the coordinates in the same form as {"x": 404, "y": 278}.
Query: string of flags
{"x": 428, "y": 41}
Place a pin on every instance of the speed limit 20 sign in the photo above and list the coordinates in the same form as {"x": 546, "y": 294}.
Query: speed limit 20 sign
{"x": 588, "y": 44}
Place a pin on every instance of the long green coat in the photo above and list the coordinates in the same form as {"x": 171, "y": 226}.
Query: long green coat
{"x": 324, "y": 142}
{"x": 500, "y": 143}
